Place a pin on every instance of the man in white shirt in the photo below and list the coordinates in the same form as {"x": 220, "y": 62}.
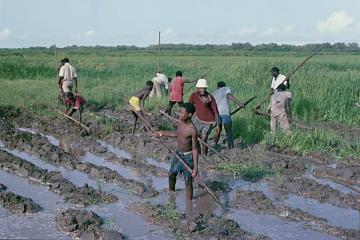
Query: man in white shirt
{"x": 161, "y": 83}
{"x": 67, "y": 76}
{"x": 278, "y": 79}
{"x": 222, "y": 96}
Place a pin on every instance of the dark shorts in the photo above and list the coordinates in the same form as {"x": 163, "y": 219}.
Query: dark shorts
{"x": 177, "y": 167}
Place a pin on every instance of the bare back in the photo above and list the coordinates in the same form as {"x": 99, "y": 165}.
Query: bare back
{"x": 143, "y": 93}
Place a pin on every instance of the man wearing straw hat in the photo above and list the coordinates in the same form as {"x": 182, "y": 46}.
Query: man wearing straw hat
{"x": 206, "y": 115}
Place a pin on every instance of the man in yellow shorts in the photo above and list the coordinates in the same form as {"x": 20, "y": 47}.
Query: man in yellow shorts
{"x": 137, "y": 101}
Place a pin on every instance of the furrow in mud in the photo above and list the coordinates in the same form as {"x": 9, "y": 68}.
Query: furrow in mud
{"x": 16, "y": 203}
{"x": 200, "y": 226}
{"x": 84, "y": 224}
{"x": 257, "y": 202}
{"x": 346, "y": 174}
{"x": 39, "y": 146}
{"x": 82, "y": 196}
{"x": 310, "y": 188}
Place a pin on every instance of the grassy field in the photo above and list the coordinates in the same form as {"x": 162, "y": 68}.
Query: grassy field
{"x": 324, "y": 90}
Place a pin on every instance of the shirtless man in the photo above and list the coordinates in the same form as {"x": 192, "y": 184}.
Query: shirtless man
{"x": 137, "y": 101}
{"x": 187, "y": 142}
{"x": 74, "y": 103}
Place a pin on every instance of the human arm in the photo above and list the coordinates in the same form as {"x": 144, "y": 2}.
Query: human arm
{"x": 215, "y": 110}
{"x": 166, "y": 134}
{"x": 234, "y": 99}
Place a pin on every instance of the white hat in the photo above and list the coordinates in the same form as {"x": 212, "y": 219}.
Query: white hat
{"x": 202, "y": 83}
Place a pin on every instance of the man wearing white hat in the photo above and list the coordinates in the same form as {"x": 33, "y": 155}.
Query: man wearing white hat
{"x": 206, "y": 114}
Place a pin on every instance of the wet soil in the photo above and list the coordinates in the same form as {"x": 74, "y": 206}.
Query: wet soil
{"x": 39, "y": 145}
{"x": 110, "y": 131}
{"x": 312, "y": 189}
{"x": 16, "y": 203}
{"x": 84, "y": 225}
{"x": 201, "y": 226}
{"x": 343, "y": 173}
{"x": 81, "y": 196}
{"x": 258, "y": 202}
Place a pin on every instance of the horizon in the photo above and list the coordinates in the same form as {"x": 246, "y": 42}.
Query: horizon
{"x": 137, "y": 22}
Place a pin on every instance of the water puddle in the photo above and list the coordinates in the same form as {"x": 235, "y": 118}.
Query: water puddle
{"x": 156, "y": 163}
{"x": 50, "y": 138}
{"x": 76, "y": 177}
{"x": 336, "y": 216}
{"x": 274, "y": 227}
{"x": 120, "y": 153}
{"x": 310, "y": 174}
{"x": 37, "y": 225}
{"x": 30, "y": 226}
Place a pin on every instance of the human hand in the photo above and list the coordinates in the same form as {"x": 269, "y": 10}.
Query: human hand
{"x": 158, "y": 134}
{"x": 194, "y": 173}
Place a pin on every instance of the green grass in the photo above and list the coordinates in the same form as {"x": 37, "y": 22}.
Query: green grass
{"x": 324, "y": 90}
{"x": 320, "y": 139}
{"x": 249, "y": 172}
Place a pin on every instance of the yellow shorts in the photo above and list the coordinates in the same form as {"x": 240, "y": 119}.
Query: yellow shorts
{"x": 135, "y": 102}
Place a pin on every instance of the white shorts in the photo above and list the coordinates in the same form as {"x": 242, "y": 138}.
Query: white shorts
{"x": 67, "y": 85}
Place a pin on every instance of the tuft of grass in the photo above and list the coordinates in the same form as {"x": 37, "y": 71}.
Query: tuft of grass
{"x": 250, "y": 172}
{"x": 318, "y": 140}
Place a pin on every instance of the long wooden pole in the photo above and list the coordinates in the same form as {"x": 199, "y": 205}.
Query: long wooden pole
{"x": 245, "y": 103}
{"x": 289, "y": 75}
{"x": 73, "y": 119}
{"x": 188, "y": 168}
{"x": 199, "y": 139}
{"x": 158, "y": 67}
{"x": 187, "y": 90}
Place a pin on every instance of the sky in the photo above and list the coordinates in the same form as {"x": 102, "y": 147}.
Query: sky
{"x": 26, "y": 23}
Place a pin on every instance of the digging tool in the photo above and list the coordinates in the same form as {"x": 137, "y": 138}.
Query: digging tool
{"x": 56, "y": 72}
{"x": 187, "y": 167}
{"x": 73, "y": 119}
{"x": 197, "y": 79}
{"x": 245, "y": 103}
{"x": 199, "y": 139}
{"x": 158, "y": 67}
{"x": 288, "y": 76}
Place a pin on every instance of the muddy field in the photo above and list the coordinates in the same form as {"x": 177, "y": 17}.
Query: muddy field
{"x": 58, "y": 181}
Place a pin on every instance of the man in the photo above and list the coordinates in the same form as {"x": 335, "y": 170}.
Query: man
{"x": 75, "y": 103}
{"x": 137, "y": 101}
{"x": 278, "y": 79}
{"x": 161, "y": 84}
{"x": 279, "y": 110}
{"x": 67, "y": 76}
{"x": 187, "y": 142}
{"x": 222, "y": 96}
{"x": 206, "y": 116}
{"x": 176, "y": 91}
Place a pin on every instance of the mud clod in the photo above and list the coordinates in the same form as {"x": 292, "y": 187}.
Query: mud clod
{"x": 16, "y": 203}
{"x": 84, "y": 225}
